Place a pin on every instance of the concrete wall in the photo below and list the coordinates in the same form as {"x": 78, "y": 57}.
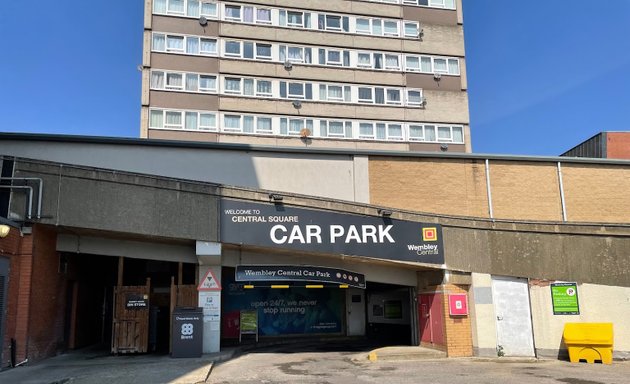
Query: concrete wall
{"x": 331, "y": 176}
{"x": 482, "y": 315}
{"x": 598, "y": 304}
{"x": 117, "y": 202}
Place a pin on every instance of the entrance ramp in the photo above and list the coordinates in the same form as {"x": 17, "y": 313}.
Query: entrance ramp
{"x": 405, "y": 353}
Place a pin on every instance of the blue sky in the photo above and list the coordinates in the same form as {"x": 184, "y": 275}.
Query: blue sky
{"x": 542, "y": 75}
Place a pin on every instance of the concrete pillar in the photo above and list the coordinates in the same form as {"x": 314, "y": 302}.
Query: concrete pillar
{"x": 483, "y": 320}
{"x": 209, "y": 256}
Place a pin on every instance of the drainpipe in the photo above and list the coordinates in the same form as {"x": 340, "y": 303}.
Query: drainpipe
{"x": 40, "y": 184}
{"x": 562, "y": 201}
{"x": 490, "y": 211}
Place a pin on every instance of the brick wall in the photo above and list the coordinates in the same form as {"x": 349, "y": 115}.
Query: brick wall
{"x": 450, "y": 187}
{"x": 458, "y": 331}
{"x": 520, "y": 190}
{"x": 597, "y": 193}
{"x": 618, "y": 145}
{"x": 9, "y": 249}
{"x": 18, "y": 249}
{"x": 48, "y": 298}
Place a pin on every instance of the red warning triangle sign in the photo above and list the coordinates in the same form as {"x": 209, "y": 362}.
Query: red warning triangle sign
{"x": 209, "y": 282}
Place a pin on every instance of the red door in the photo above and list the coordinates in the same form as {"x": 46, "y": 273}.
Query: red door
{"x": 431, "y": 315}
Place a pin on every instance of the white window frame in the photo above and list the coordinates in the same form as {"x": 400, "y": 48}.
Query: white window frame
{"x": 404, "y": 28}
{"x": 231, "y": 54}
{"x": 260, "y": 57}
{"x": 238, "y": 19}
{"x": 326, "y": 27}
{"x": 224, "y": 128}
{"x": 414, "y": 103}
{"x": 296, "y": 96}
{"x": 388, "y": 101}
{"x": 295, "y": 25}
{"x": 231, "y": 91}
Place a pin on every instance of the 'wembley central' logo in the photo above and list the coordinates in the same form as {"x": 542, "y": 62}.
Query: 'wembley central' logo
{"x": 428, "y": 234}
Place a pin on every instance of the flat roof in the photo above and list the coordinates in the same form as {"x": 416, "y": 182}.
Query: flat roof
{"x": 80, "y": 139}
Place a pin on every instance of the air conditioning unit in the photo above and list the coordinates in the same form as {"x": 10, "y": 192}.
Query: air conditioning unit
{"x": 288, "y": 65}
{"x": 203, "y": 21}
{"x": 437, "y": 76}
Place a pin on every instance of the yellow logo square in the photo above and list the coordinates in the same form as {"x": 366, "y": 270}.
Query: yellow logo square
{"x": 429, "y": 234}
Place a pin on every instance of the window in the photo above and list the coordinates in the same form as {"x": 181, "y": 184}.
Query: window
{"x": 294, "y": 19}
{"x": 390, "y": 28}
{"x": 295, "y": 54}
{"x": 328, "y": 92}
{"x": 263, "y": 16}
{"x": 156, "y": 119}
{"x": 233, "y": 85}
{"x": 416, "y": 133}
{"x": 364, "y": 60}
{"x": 263, "y": 125}
{"x": 412, "y": 29}
{"x": 174, "y": 81}
{"x": 232, "y": 123}
{"x": 293, "y": 126}
{"x": 444, "y": 134}
{"x": 192, "y": 8}
{"x": 208, "y": 9}
{"x": 412, "y": 63}
{"x": 333, "y": 23}
{"x": 439, "y": 65}
{"x": 430, "y": 64}
{"x": 335, "y": 128}
{"x": 233, "y": 48}
{"x": 366, "y": 131}
{"x": 263, "y": 88}
{"x": 453, "y": 66}
{"x": 175, "y": 7}
{"x": 363, "y": 26}
{"x": 263, "y": 51}
{"x": 173, "y": 120}
{"x": 189, "y": 120}
{"x": 458, "y": 134}
{"x": 294, "y": 90}
{"x": 393, "y": 96}
{"x": 392, "y": 62}
{"x": 208, "y": 47}
{"x": 157, "y": 80}
{"x": 175, "y": 43}
{"x": 334, "y": 57}
{"x": 192, "y": 45}
{"x": 207, "y": 83}
{"x": 207, "y": 121}
{"x": 366, "y": 95}
{"x": 414, "y": 97}
{"x": 233, "y": 12}
{"x": 426, "y": 64}
{"x": 429, "y": 133}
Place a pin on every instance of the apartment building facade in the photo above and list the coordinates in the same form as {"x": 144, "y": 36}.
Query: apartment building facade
{"x": 377, "y": 74}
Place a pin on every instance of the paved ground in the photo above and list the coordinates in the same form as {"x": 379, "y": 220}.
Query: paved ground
{"x": 352, "y": 368}
{"x": 87, "y": 367}
{"x": 322, "y": 363}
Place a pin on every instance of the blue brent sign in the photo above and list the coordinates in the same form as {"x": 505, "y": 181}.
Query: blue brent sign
{"x": 279, "y": 226}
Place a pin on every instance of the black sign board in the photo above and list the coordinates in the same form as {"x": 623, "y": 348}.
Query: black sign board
{"x": 134, "y": 301}
{"x": 279, "y": 226}
{"x": 250, "y": 273}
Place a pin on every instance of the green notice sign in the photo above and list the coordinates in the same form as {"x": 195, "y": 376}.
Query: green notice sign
{"x": 564, "y": 298}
